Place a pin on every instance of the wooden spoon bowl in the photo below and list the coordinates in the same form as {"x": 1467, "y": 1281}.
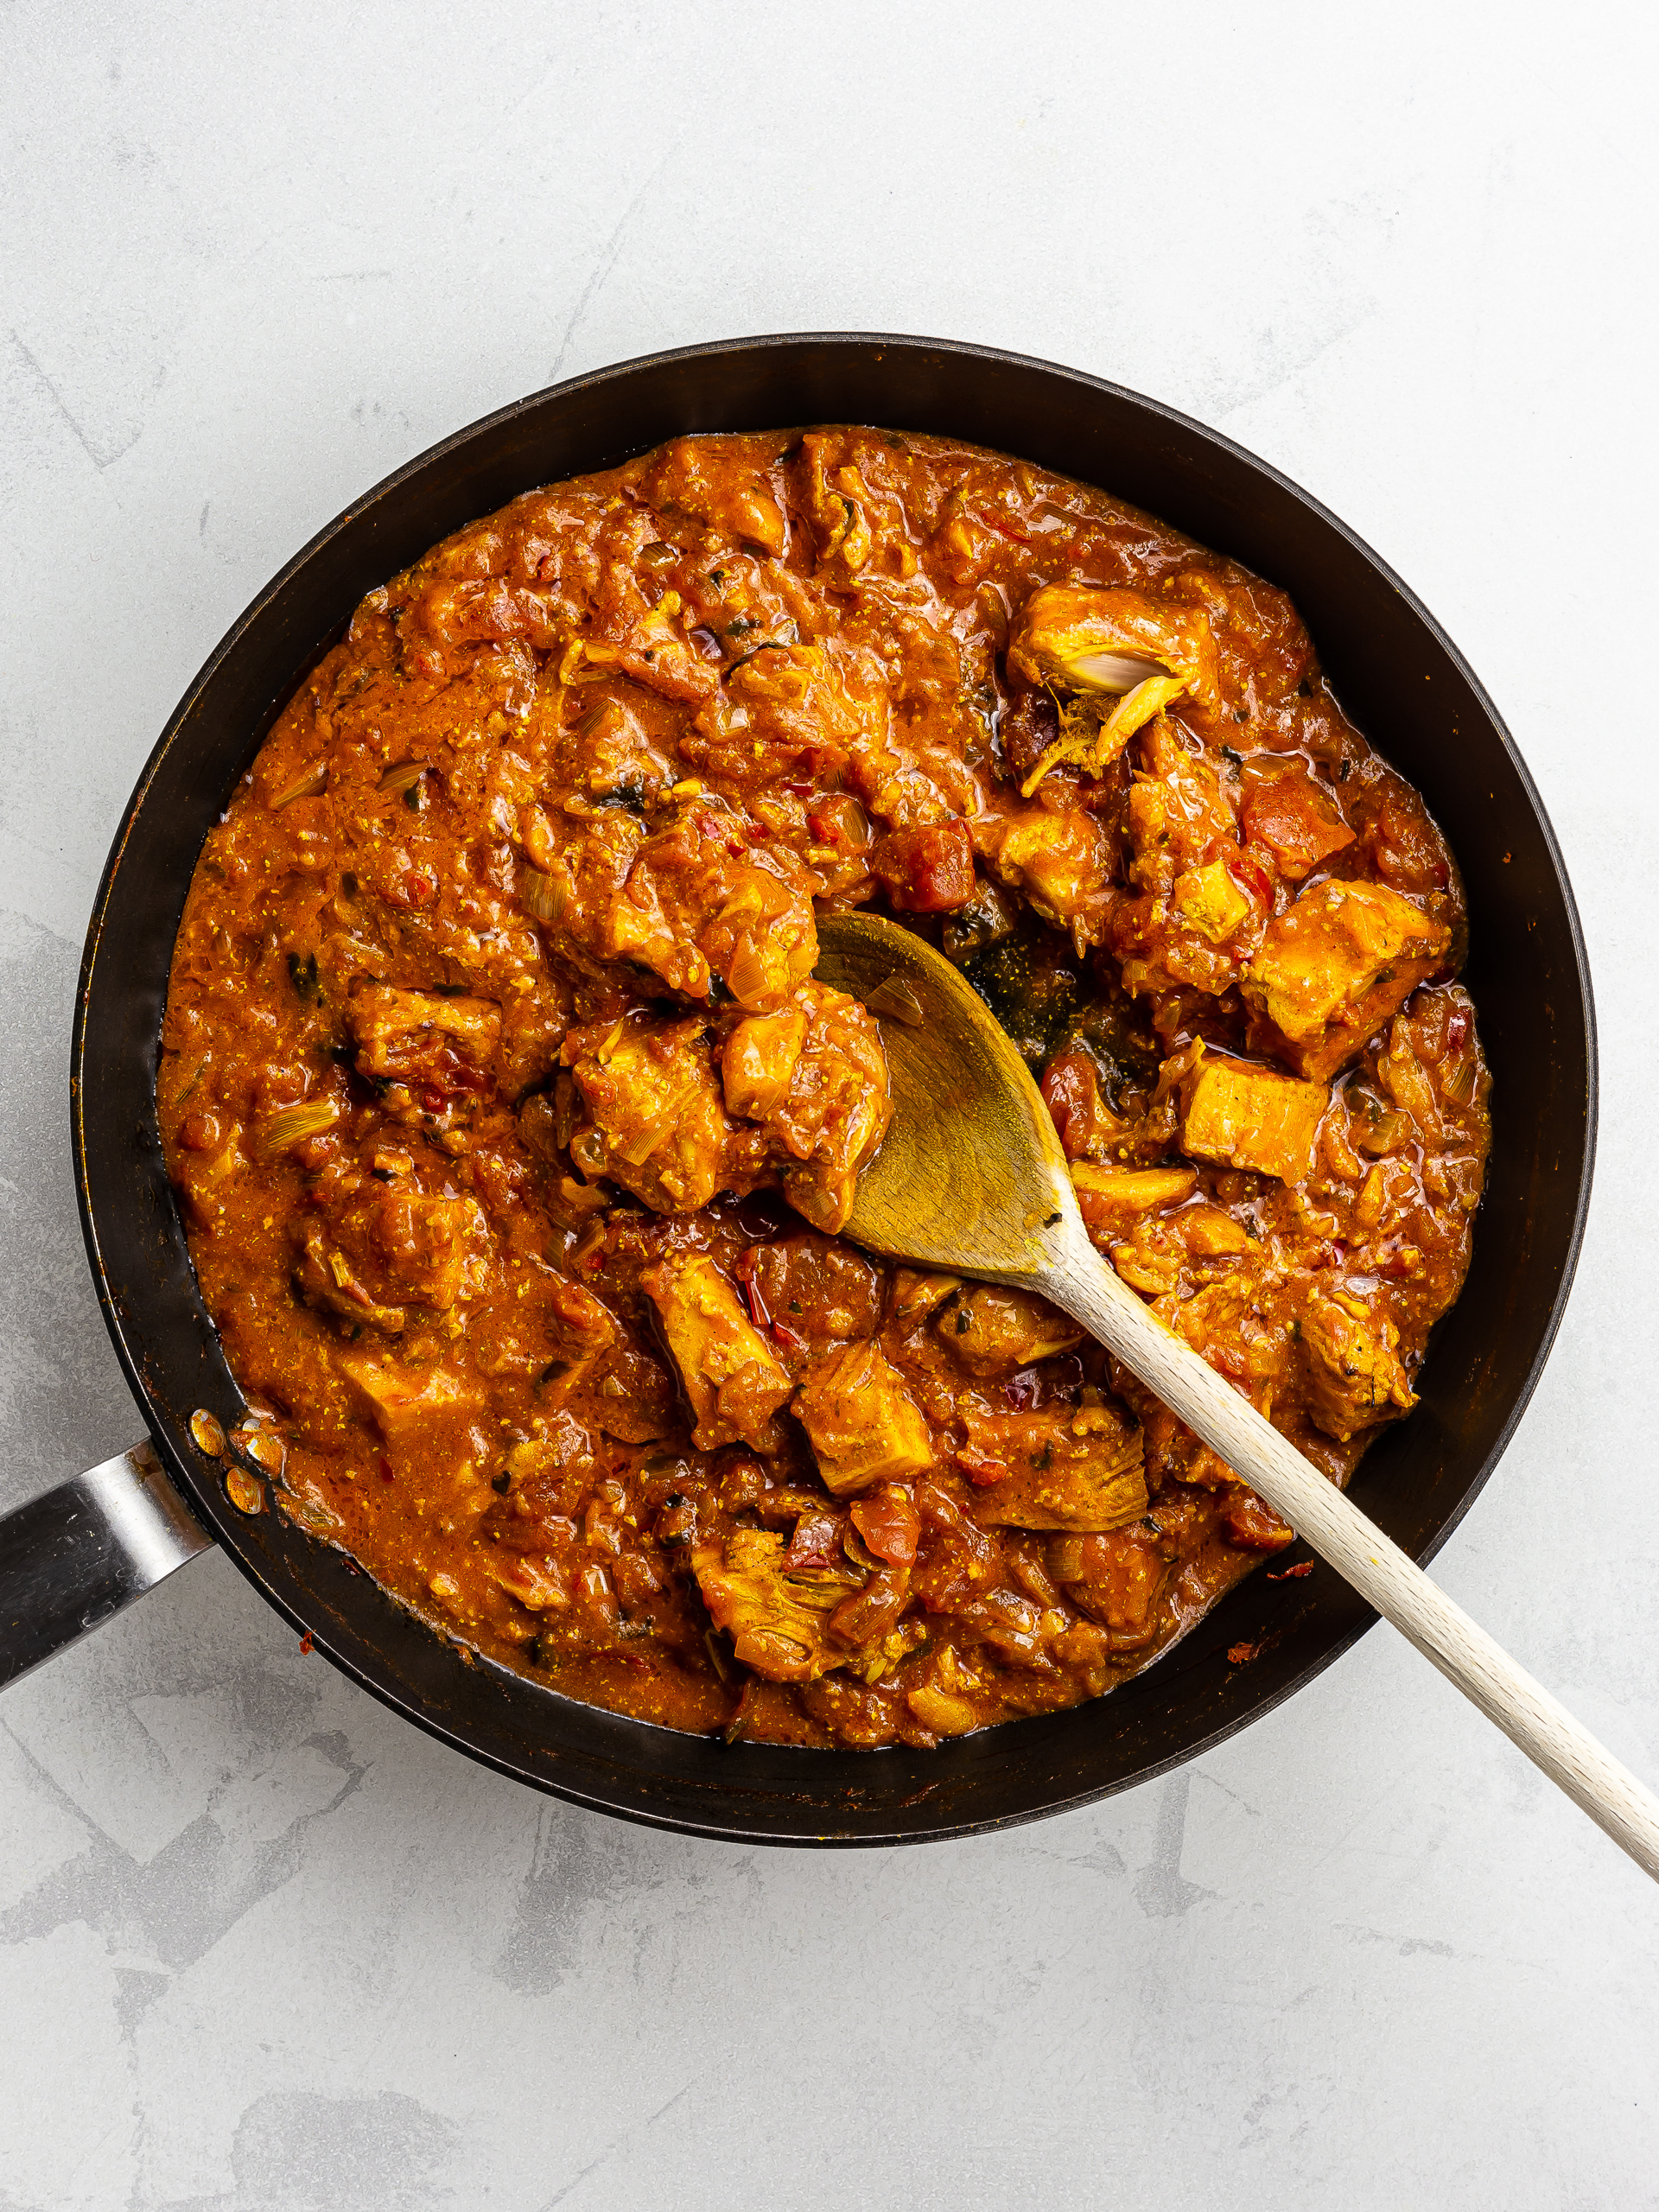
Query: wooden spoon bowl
{"x": 973, "y": 1178}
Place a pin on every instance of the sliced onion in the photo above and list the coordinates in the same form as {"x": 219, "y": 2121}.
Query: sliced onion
{"x": 402, "y": 776}
{"x": 1112, "y": 671}
{"x": 295, "y": 1123}
{"x": 895, "y": 999}
{"x": 1459, "y": 1085}
{"x": 541, "y": 896}
{"x": 307, "y": 785}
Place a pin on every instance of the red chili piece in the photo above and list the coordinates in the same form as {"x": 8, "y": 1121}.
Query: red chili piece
{"x": 981, "y": 1470}
{"x": 1254, "y": 878}
{"x": 1004, "y": 529}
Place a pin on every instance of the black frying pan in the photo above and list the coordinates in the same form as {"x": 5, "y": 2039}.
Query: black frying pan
{"x": 1409, "y": 691}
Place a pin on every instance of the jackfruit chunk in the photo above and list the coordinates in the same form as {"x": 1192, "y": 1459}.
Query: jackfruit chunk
{"x": 917, "y": 1293}
{"x": 760, "y": 1058}
{"x": 1112, "y": 639}
{"x": 1251, "y": 1117}
{"x": 1145, "y": 650}
{"x": 944, "y": 1702}
{"x": 1113, "y": 1199}
{"x": 836, "y": 1109}
{"x": 1081, "y": 1470}
{"x": 1059, "y": 861}
{"x": 656, "y": 1123}
{"x": 325, "y": 1277}
{"x": 863, "y": 1424}
{"x": 683, "y": 900}
{"x": 733, "y": 1379}
{"x": 430, "y": 1404}
{"x": 1094, "y": 738}
{"x": 1354, "y": 1376}
{"x": 1207, "y": 1233}
{"x": 1179, "y": 815}
{"x": 394, "y": 1249}
{"x": 400, "y": 1034}
{"x": 991, "y": 1332}
{"x": 1132, "y": 1190}
{"x": 1116, "y": 1579}
{"x": 1337, "y": 965}
{"x": 655, "y": 652}
{"x": 776, "y": 1618}
{"x": 1211, "y": 901}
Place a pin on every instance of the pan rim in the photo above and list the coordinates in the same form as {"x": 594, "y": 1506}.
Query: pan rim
{"x": 209, "y": 1508}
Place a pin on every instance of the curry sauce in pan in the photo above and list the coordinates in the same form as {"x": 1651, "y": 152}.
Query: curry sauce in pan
{"x": 514, "y": 1136}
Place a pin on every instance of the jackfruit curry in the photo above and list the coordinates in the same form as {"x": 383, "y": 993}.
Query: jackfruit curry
{"x": 514, "y": 1136}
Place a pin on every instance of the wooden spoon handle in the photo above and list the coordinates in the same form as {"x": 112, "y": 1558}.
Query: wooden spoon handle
{"x": 1090, "y": 1290}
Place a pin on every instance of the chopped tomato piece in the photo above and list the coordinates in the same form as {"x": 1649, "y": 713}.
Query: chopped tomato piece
{"x": 928, "y": 871}
{"x": 815, "y": 1542}
{"x": 889, "y": 1523}
{"x": 1296, "y": 821}
{"x": 1252, "y": 1525}
{"x": 1073, "y": 1094}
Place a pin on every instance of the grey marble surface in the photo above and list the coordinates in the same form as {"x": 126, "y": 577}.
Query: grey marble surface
{"x": 262, "y": 1949}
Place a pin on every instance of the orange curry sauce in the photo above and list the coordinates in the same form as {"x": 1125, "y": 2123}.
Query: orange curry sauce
{"x": 513, "y": 1135}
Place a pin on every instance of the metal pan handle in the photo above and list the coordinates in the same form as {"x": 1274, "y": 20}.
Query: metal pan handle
{"x": 72, "y": 1557}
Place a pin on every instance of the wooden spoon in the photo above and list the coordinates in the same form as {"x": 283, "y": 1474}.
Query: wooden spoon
{"x": 972, "y": 1180}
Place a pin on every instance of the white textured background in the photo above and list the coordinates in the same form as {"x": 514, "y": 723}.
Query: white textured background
{"x": 266, "y": 1949}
